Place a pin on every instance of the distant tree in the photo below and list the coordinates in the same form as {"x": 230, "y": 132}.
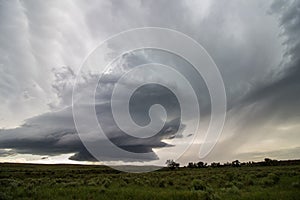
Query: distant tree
{"x": 201, "y": 164}
{"x": 236, "y": 163}
{"x": 191, "y": 165}
{"x": 214, "y": 164}
{"x": 270, "y": 162}
{"x": 275, "y": 162}
{"x": 172, "y": 164}
{"x": 249, "y": 163}
{"x": 267, "y": 160}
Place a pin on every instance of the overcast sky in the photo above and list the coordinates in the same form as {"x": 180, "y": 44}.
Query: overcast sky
{"x": 255, "y": 45}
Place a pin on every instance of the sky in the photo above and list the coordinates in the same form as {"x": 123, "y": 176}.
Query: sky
{"x": 43, "y": 45}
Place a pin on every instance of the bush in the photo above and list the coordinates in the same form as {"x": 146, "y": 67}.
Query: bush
{"x": 233, "y": 190}
{"x": 238, "y": 184}
{"x": 210, "y": 194}
{"x": 92, "y": 183}
{"x": 230, "y": 176}
{"x": 102, "y": 189}
{"x": 296, "y": 184}
{"x": 4, "y": 195}
{"x": 106, "y": 182}
{"x": 199, "y": 185}
{"x": 170, "y": 182}
{"x": 228, "y": 184}
{"x": 71, "y": 184}
{"x": 122, "y": 183}
{"x": 267, "y": 182}
{"x": 261, "y": 174}
{"x": 270, "y": 180}
{"x": 249, "y": 181}
{"x": 162, "y": 184}
{"x": 274, "y": 177}
{"x": 9, "y": 183}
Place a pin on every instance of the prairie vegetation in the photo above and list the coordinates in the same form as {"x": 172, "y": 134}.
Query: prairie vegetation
{"x": 26, "y": 181}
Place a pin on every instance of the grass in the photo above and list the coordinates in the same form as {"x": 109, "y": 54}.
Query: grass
{"x": 25, "y": 181}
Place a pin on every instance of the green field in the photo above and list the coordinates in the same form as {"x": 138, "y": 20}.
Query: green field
{"x": 25, "y": 181}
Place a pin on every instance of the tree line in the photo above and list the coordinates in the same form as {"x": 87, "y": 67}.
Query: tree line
{"x": 236, "y": 163}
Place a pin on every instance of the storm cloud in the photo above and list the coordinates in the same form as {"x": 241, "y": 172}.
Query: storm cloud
{"x": 54, "y": 133}
{"x": 255, "y": 44}
{"x": 266, "y": 119}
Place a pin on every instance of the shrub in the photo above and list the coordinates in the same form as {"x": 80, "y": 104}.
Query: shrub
{"x": 162, "y": 184}
{"x": 233, "y": 190}
{"x": 274, "y": 177}
{"x": 199, "y": 185}
{"x": 238, "y": 184}
{"x": 170, "y": 182}
{"x": 210, "y": 194}
{"x": 59, "y": 180}
{"x": 296, "y": 184}
{"x": 228, "y": 184}
{"x": 126, "y": 180}
{"x": 71, "y": 184}
{"x": 267, "y": 182}
{"x": 230, "y": 176}
{"x": 122, "y": 183}
{"x": 9, "y": 183}
{"x": 249, "y": 181}
{"x": 102, "y": 189}
{"x": 261, "y": 174}
{"x": 92, "y": 182}
{"x": 4, "y": 195}
{"x": 106, "y": 182}
{"x": 270, "y": 180}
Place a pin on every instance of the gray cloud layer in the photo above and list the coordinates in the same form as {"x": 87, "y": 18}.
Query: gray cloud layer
{"x": 55, "y": 133}
{"x": 262, "y": 86}
{"x": 269, "y": 113}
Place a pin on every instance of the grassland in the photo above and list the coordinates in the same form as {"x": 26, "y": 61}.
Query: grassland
{"x": 25, "y": 181}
